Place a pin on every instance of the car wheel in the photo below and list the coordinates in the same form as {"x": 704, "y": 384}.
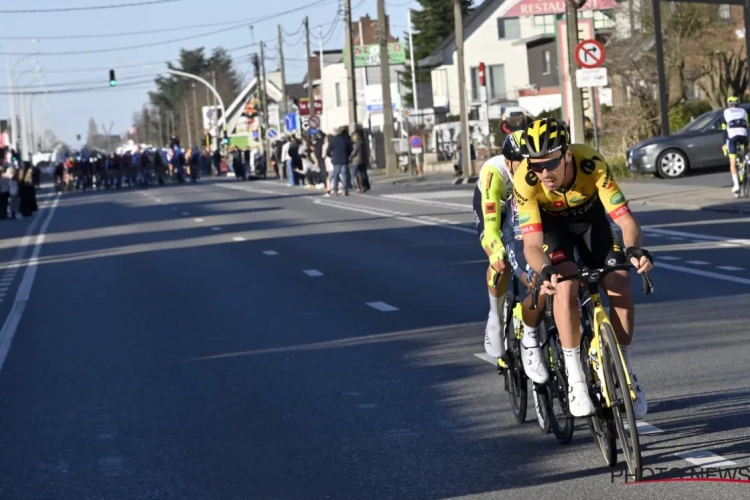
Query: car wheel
{"x": 672, "y": 164}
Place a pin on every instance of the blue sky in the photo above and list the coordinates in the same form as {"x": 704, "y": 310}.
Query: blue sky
{"x": 68, "y": 113}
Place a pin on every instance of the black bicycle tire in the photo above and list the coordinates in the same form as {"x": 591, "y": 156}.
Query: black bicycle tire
{"x": 605, "y": 438}
{"x": 563, "y": 431}
{"x": 541, "y": 401}
{"x": 610, "y": 357}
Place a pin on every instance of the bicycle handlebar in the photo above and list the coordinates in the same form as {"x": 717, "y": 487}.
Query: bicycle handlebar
{"x": 591, "y": 276}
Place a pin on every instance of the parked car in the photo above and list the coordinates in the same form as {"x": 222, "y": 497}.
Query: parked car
{"x": 698, "y": 145}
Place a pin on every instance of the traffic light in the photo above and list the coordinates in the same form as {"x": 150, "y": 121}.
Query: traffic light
{"x": 225, "y": 140}
{"x": 112, "y": 79}
{"x": 481, "y": 74}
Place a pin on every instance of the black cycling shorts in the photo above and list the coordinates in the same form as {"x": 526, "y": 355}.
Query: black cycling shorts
{"x": 597, "y": 244}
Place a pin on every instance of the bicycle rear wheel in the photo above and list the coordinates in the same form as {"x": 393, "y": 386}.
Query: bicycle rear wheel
{"x": 600, "y": 422}
{"x": 542, "y": 407}
{"x": 622, "y": 404}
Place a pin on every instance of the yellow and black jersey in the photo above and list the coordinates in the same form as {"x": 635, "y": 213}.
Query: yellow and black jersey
{"x": 593, "y": 182}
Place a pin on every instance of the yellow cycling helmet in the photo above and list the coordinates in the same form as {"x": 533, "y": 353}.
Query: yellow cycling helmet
{"x": 545, "y": 136}
{"x": 733, "y": 100}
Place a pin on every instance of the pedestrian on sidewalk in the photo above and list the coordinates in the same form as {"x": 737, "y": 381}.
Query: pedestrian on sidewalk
{"x": 340, "y": 149}
{"x": 359, "y": 160}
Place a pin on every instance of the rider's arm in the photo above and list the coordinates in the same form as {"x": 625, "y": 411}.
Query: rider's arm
{"x": 617, "y": 206}
{"x": 492, "y": 187}
{"x": 525, "y": 184}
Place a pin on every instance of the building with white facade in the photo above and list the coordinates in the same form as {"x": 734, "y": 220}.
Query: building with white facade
{"x": 517, "y": 40}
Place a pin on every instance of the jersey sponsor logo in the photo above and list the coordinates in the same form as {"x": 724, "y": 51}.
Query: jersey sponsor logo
{"x": 587, "y": 166}
{"x": 545, "y": 247}
{"x": 519, "y": 198}
{"x": 490, "y": 219}
{"x": 490, "y": 208}
{"x": 531, "y": 228}
{"x": 524, "y": 218}
{"x": 494, "y": 244}
{"x": 576, "y": 199}
{"x": 559, "y": 203}
{"x": 531, "y": 178}
{"x": 617, "y": 198}
{"x": 620, "y": 211}
{"x": 488, "y": 182}
{"x": 608, "y": 177}
{"x": 557, "y": 256}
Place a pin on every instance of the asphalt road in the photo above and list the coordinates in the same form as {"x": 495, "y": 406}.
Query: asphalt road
{"x": 256, "y": 341}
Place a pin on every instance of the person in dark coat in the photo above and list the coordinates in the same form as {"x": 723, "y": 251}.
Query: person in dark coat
{"x": 27, "y": 191}
{"x": 339, "y": 150}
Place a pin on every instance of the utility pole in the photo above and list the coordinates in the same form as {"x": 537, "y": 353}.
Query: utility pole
{"x": 284, "y": 109}
{"x": 256, "y": 93}
{"x": 415, "y": 100}
{"x": 198, "y": 124}
{"x": 160, "y": 143}
{"x": 320, "y": 49}
{"x": 351, "y": 82}
{"x": 219, "y": 136}
{"x": 264, "y": 102}
{"x": 576, "y": 116}
{"x": 385, "y": 85}
{"x": 310, "y": 96}
{"x": 465, "y": 139}
{"x": 189, "y": 129}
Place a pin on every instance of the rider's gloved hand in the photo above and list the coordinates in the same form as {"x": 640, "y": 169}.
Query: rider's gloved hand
{"x": 640, "y": 258}
{"x": 497, "y": 260}
{"x": 546, "y": 280}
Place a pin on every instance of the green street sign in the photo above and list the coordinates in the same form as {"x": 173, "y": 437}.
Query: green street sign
{"x": 369, "y": 55}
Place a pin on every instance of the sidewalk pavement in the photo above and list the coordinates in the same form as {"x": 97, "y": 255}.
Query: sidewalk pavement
{"x": 658, "y": 194}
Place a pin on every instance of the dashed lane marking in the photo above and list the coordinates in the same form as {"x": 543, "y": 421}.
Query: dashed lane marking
{"x": 198, "y": 220}
{"x": 705, "y": 459}
{"x": 313, "y": 273}
{"x": 382, "y": 306}
{"x": 238, "y": 238}
{"x": 697, "y": 262}
{"x": 730, "y": 268}
{"x": 270, "y": 252}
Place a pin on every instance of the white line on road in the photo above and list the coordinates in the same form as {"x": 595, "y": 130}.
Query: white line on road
{"x": 705, "y": 459}
{"x": 198, "y": 220}
{"x": 730, "y": 268}
{"x": 313, "y": 272}
{"x": 667, "y": 257}
{"x": 697, "y": 262}
{"x": 427, "y": 221}
{"x": 251, "y": 189}
{"x": 238, "y": 238}
{"x": 216, "y": 228}
{"x": 185, "y": 213}
{"x": 173, "y": 208}
{"x": 382, "y": 306}
{"x": 486, "y": 357}
{"x": 675, "y": 238}
{"x": 705, "y": 274}
{"x": 24, "y": 289}
{"x": 157, "y": 200}
{"x": 270, "y": 252}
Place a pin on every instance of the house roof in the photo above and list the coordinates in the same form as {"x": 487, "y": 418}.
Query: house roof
{"x": 295, "y": 91}
{"x": 369, "y": 34}
{"x": 329, "y": 57}
{"x": 478, "y": 14}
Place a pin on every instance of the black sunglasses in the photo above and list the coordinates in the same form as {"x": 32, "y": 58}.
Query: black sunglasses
{"x": 549, "y": 165}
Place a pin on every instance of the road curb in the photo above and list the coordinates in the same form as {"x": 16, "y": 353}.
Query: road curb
{"x": 465, "y": 180}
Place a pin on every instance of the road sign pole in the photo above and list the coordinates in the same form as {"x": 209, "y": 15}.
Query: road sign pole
{"x": 595, "y": 120}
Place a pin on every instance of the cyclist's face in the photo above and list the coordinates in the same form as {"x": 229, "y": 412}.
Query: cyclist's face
{"x": 548, "y": 169}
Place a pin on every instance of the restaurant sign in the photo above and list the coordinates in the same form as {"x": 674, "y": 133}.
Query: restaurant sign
{"x": 542, "y": 7}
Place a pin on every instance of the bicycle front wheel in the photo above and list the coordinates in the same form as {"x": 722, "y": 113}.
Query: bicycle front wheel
{"x": 622, "y": 404}
{"x": 600, "y": 422}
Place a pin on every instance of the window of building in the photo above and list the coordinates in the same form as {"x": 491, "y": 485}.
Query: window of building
{"x": 508, "y": 29}
{"x": 474, "y": 75}
{"x": 725, "y": 12}
{"x": 338, "y": 94}
{"x": 496, "y": 82}
{"x": 546, "y": 22}
{"x": 546, "y": 62}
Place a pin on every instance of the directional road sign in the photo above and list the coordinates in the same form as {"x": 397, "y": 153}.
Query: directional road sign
{"x": 590, "y": 54}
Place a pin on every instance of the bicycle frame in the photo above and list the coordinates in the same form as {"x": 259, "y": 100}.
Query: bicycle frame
{"x": 591, "y": 278}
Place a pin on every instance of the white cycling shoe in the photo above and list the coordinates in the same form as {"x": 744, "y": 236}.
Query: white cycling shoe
{"x": 640, "y": 405}
{"x": 492, "y": 343}
{"x": 531, "y": 357}
{"x": 579, "y": 402}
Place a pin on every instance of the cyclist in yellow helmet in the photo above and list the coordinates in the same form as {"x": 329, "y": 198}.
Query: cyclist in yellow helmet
{"x": 564, "y": 193}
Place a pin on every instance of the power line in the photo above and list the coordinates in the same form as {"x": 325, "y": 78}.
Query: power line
{"x": 92, "y": 7}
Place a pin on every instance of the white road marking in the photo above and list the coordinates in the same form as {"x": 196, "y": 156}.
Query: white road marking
{"x": 667, "y": 257}
{"x": 730, "y": 268}
{"x": 644, "y": 428}
{"x": 10, "y": 326}
{"x": 380, "y": 212}
{"x": 705, "y": 274}
{"x": 198, "y": 220}
{"x": 216, "y": 228}
{"x": 157, "y": 200}
{"x": 675, "y": 238}
{"x": 251, "y": 189}
{"x": 705, "y": 459}
{"x": 270, "y": 252}
{"x": 185, "y": 213}
{"x": 313, "y": 272}
{"x": 173, "y": 208}
{"x": 697, "y": 262}
{"x": 382, "y": 306}
{"x": 238, "y": 238}
{"x": 486, "y": 357}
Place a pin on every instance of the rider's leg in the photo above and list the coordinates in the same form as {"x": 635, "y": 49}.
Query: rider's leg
{"x": 492, "y": 344}
{"x": 732, "y": 151}
{"x": 531, "y": 352}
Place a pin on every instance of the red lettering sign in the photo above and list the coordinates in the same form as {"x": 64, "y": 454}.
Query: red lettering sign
{"x": 542, "y": 7}
{"x": 620, "y": 211}
{"x": 557, "y": 256}
{"x": 304, "y": 107}
{"x": 531, "y": 228}
{"x": 490, "y": 208}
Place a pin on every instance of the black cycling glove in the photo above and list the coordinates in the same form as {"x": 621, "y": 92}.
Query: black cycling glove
{"x": 638, "y": 253}
{"x": 544, "y": 275}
